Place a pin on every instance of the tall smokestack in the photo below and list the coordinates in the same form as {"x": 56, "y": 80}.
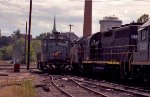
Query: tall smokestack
{"x": 87, "y": 27}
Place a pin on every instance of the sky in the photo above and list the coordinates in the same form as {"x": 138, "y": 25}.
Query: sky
{"x": 14, "y": 14}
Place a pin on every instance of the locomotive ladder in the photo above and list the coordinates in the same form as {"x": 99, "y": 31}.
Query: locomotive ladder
{"x": 121, "y": 67}
{"x": 130, "y": 59}
{"x": 124, "y": 63}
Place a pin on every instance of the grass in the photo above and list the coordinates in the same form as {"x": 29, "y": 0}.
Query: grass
{"x": 25, "y": 89}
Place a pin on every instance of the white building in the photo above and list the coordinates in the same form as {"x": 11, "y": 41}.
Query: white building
{"x": 109, "y": 22}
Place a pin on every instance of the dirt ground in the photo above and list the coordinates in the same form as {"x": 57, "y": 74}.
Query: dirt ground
{"x": 15, "y": 84}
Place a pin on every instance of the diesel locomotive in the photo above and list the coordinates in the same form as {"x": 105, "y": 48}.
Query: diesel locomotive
{"x": 118, "y": 53}
{"x": 54, "y": 56}
{"x": 122, "y": 52}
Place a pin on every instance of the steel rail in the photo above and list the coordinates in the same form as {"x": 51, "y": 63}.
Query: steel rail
{"x": 121, "y": 90}
{"x": 95, "y": 92}
{"x": 64, "y": 92}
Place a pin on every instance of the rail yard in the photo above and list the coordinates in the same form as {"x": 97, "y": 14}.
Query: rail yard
{"x": 112, "y": 62}
{"x": 47, "y": 85}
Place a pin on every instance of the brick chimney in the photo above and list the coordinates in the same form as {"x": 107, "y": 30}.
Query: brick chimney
{"x": 87, "y": 26}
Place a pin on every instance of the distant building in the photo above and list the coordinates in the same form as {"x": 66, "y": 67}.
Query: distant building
{"x": 109, "y": 22}
{"x": 72, "y": 35}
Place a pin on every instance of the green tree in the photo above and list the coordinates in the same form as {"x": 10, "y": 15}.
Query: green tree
{"x": 17, "y": 34}
{"x": 32, "y": 53}
{"x": 144, "y": 18}
{"x": 9, "y": 52}
{"x": 6, "y": 52}
{"x": 5, "y": 41}
{"x": 35, "y": 47}
{"x": 41, "y": 36}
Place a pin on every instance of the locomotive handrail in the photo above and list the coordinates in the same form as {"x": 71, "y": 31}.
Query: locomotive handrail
{"x": 118, "y": 46}
{"x": 121, "y": 64}
{"x": 116, "y": 53}
{"x": 126, "y": 57}
{"x": 131, "y": 58}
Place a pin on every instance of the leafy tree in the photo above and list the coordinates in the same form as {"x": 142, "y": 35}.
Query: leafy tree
{"x": 32, "y": 53}
{"x": 41, "y": 36}
{"x": 5, "y": 41}
{"x": 34, "y": 48}
{"x": 36, "y": 45}
{"x": 6, "y": 52}
{"x": 9, "y": 51}
{"x": 144, "y": 18}
{"x": 16, "y": 34}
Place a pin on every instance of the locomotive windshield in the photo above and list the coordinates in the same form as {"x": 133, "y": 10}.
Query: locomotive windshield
{"x": 53, "y": 39}
{"x": 143, "y": 34}
{"x": 62, "y": 41}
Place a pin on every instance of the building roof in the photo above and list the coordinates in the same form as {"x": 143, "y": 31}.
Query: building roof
{"x": 110, "y": 19}
{"x": 146, "y": 24}
{"x": 72, "y": 36}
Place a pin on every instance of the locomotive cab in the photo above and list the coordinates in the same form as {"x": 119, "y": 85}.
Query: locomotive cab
{"x": 143, "y": 44}
{"x": 141, "y": 59}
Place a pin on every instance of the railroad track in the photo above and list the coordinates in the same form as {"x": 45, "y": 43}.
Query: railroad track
{"x": 70, "y": 88}
{"x": 6, "y": 66}
{"x": 114, "y": 89}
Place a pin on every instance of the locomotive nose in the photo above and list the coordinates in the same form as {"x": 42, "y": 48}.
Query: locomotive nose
{"x": 57, "y": 54}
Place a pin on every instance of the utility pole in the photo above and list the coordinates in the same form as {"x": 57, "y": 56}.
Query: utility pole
{"x": 25, "y": 43}
{"x": 29, "y": 33}
{"x": 0, "y": 33}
